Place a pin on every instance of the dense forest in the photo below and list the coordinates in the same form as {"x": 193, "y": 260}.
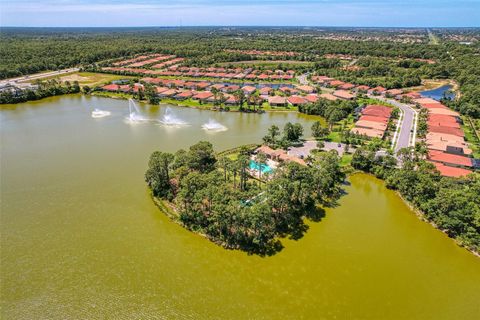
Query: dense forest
{"x": 378, "y": 56}
{"x": 453, "y": 205}
{"x": 215, "y": 195}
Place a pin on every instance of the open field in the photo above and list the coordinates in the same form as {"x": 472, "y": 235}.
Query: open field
{"x": 430, "y": 84}
{"x": 89, "y": 78}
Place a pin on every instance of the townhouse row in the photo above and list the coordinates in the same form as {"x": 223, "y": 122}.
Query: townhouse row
{"x": 445, "y": 140}
{"x": 373, "y": 121}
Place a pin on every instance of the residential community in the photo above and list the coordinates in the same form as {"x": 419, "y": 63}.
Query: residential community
{"x": 239, "y": 172}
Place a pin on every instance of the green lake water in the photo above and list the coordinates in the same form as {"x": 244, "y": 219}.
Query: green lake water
{"x": 81, "y": 238}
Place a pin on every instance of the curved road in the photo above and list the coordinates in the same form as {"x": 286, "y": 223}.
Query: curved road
{"x": 406, "y": 135}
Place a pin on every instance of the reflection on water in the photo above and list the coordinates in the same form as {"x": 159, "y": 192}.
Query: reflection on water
{"x": 439, "y": 93}
{"x": 81, "y": 238}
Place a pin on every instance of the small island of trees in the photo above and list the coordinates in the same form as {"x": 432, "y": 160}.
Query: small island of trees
{"x": 217, "y": 197}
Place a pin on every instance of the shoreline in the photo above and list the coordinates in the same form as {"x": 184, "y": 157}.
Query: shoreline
{"x": 433, "y": 84}
{"x": 169, "y": 210}
{"x": 420, "y": 215}
{"x": 208, "y": 107}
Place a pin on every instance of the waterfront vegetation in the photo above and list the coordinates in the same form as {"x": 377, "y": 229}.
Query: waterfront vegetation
{"x": 44, "y": 88}
{"x": 387, "y": 63}
{"x": 371, "y": 63}
{"x": 332, "y": 111}
{"x": 451, "y": 204}
{"x": 215, "y": 195}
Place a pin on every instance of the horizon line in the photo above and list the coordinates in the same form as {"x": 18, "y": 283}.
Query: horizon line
{"x": 255, "y": 26}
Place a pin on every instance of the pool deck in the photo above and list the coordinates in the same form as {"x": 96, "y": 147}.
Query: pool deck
{"x": 309, "y": 145}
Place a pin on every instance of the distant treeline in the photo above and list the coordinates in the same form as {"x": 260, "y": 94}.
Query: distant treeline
{"x": 386, "y": 63}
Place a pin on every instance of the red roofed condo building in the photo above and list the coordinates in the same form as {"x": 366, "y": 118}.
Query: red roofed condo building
{"x": 277, "y": 101}
{"x": 453, "y": 172}
{"x": 202, "y": 95}
{"x": 296, "y": 101}
{"x": 342, "y": 94}
{"x": 452, "y": 160}
{"x": 111, "y": 87}
{"x": 374, "y": 121}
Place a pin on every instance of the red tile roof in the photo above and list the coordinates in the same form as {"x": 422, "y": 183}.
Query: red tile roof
{"x": 442, "y": 118}
{"x": 374, "y": 118}
{"x": 342, "y": 94}
{"x": 448, "y": 124}
{"x": 447, "y": 130}
{"x": 434, "y": 105}
{"x": 306, "y": 89}
{"x": 382, "y": 126}
{"x": 265, "y": 90}
{"x": 394, "y": 92}
{"x": 378, "y": 89}
{"x": 347, "y": 86}
{"x": 321, "y": 78}
{"x": 185, "y": 94}
{"x": 277, "y": 100}
{"x": 296, "y": 100}
{"x": 110, "y": 87}
{"x": 311, "y": 98}
{"x": 328, "y": 96}
{"x": 372, "y": 133}
{"x": 425, "y": 100}
{"x": 202, "y": 95}
{"x": 336, "y": 83}
{"x": 249, "y": 89}
{"x": 377, "y": 111}
{"x": 363, "y": 88}
{"x": 446, "y": 158}
{"x": 451, "y": 171}
{"x": 442, "y": 111}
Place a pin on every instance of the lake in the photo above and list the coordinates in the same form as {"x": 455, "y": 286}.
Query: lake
{"x": 81, "y": 238}
{"x": 439, "y": 92}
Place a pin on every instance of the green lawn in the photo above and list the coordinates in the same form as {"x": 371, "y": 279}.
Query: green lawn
{"x": 114, "y": 95}
{"x": 471, "y": 138}
{"x": 346, "y": 159}
{"x": 373, "y": 101}
{"x": 90, "y": 79}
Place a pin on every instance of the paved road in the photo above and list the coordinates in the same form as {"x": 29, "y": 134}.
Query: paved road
{"x": 38, "y": 76}
{"x": 407, "y": 125}
{"x": 303, "y": 79}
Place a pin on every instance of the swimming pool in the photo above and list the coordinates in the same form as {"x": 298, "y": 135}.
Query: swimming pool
{"x": 256, "y": 166}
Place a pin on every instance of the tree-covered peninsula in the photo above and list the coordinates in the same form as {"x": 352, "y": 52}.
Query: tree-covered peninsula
{"x": 217, "y": 196}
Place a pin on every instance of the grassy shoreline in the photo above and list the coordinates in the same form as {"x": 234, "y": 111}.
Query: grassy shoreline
{"x": 197, "y": 105}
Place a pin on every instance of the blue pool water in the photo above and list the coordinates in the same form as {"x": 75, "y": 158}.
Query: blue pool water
{"x": 256, "y": 166}
{"x": 438, "y": 93}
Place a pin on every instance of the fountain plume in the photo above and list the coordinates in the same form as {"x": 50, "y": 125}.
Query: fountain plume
{"x": 214, "y": 126}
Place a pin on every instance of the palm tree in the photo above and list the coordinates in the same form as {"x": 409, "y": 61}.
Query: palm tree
{"x": 262, "y": 162}
{"x": 240, "y": 97}
{"x": 215, "y": 92}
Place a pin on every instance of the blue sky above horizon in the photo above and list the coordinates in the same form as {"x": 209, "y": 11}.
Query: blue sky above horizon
{"x": 120, "y": 13}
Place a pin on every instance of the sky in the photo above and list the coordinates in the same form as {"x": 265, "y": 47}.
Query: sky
{"x": 120, "y": 13}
